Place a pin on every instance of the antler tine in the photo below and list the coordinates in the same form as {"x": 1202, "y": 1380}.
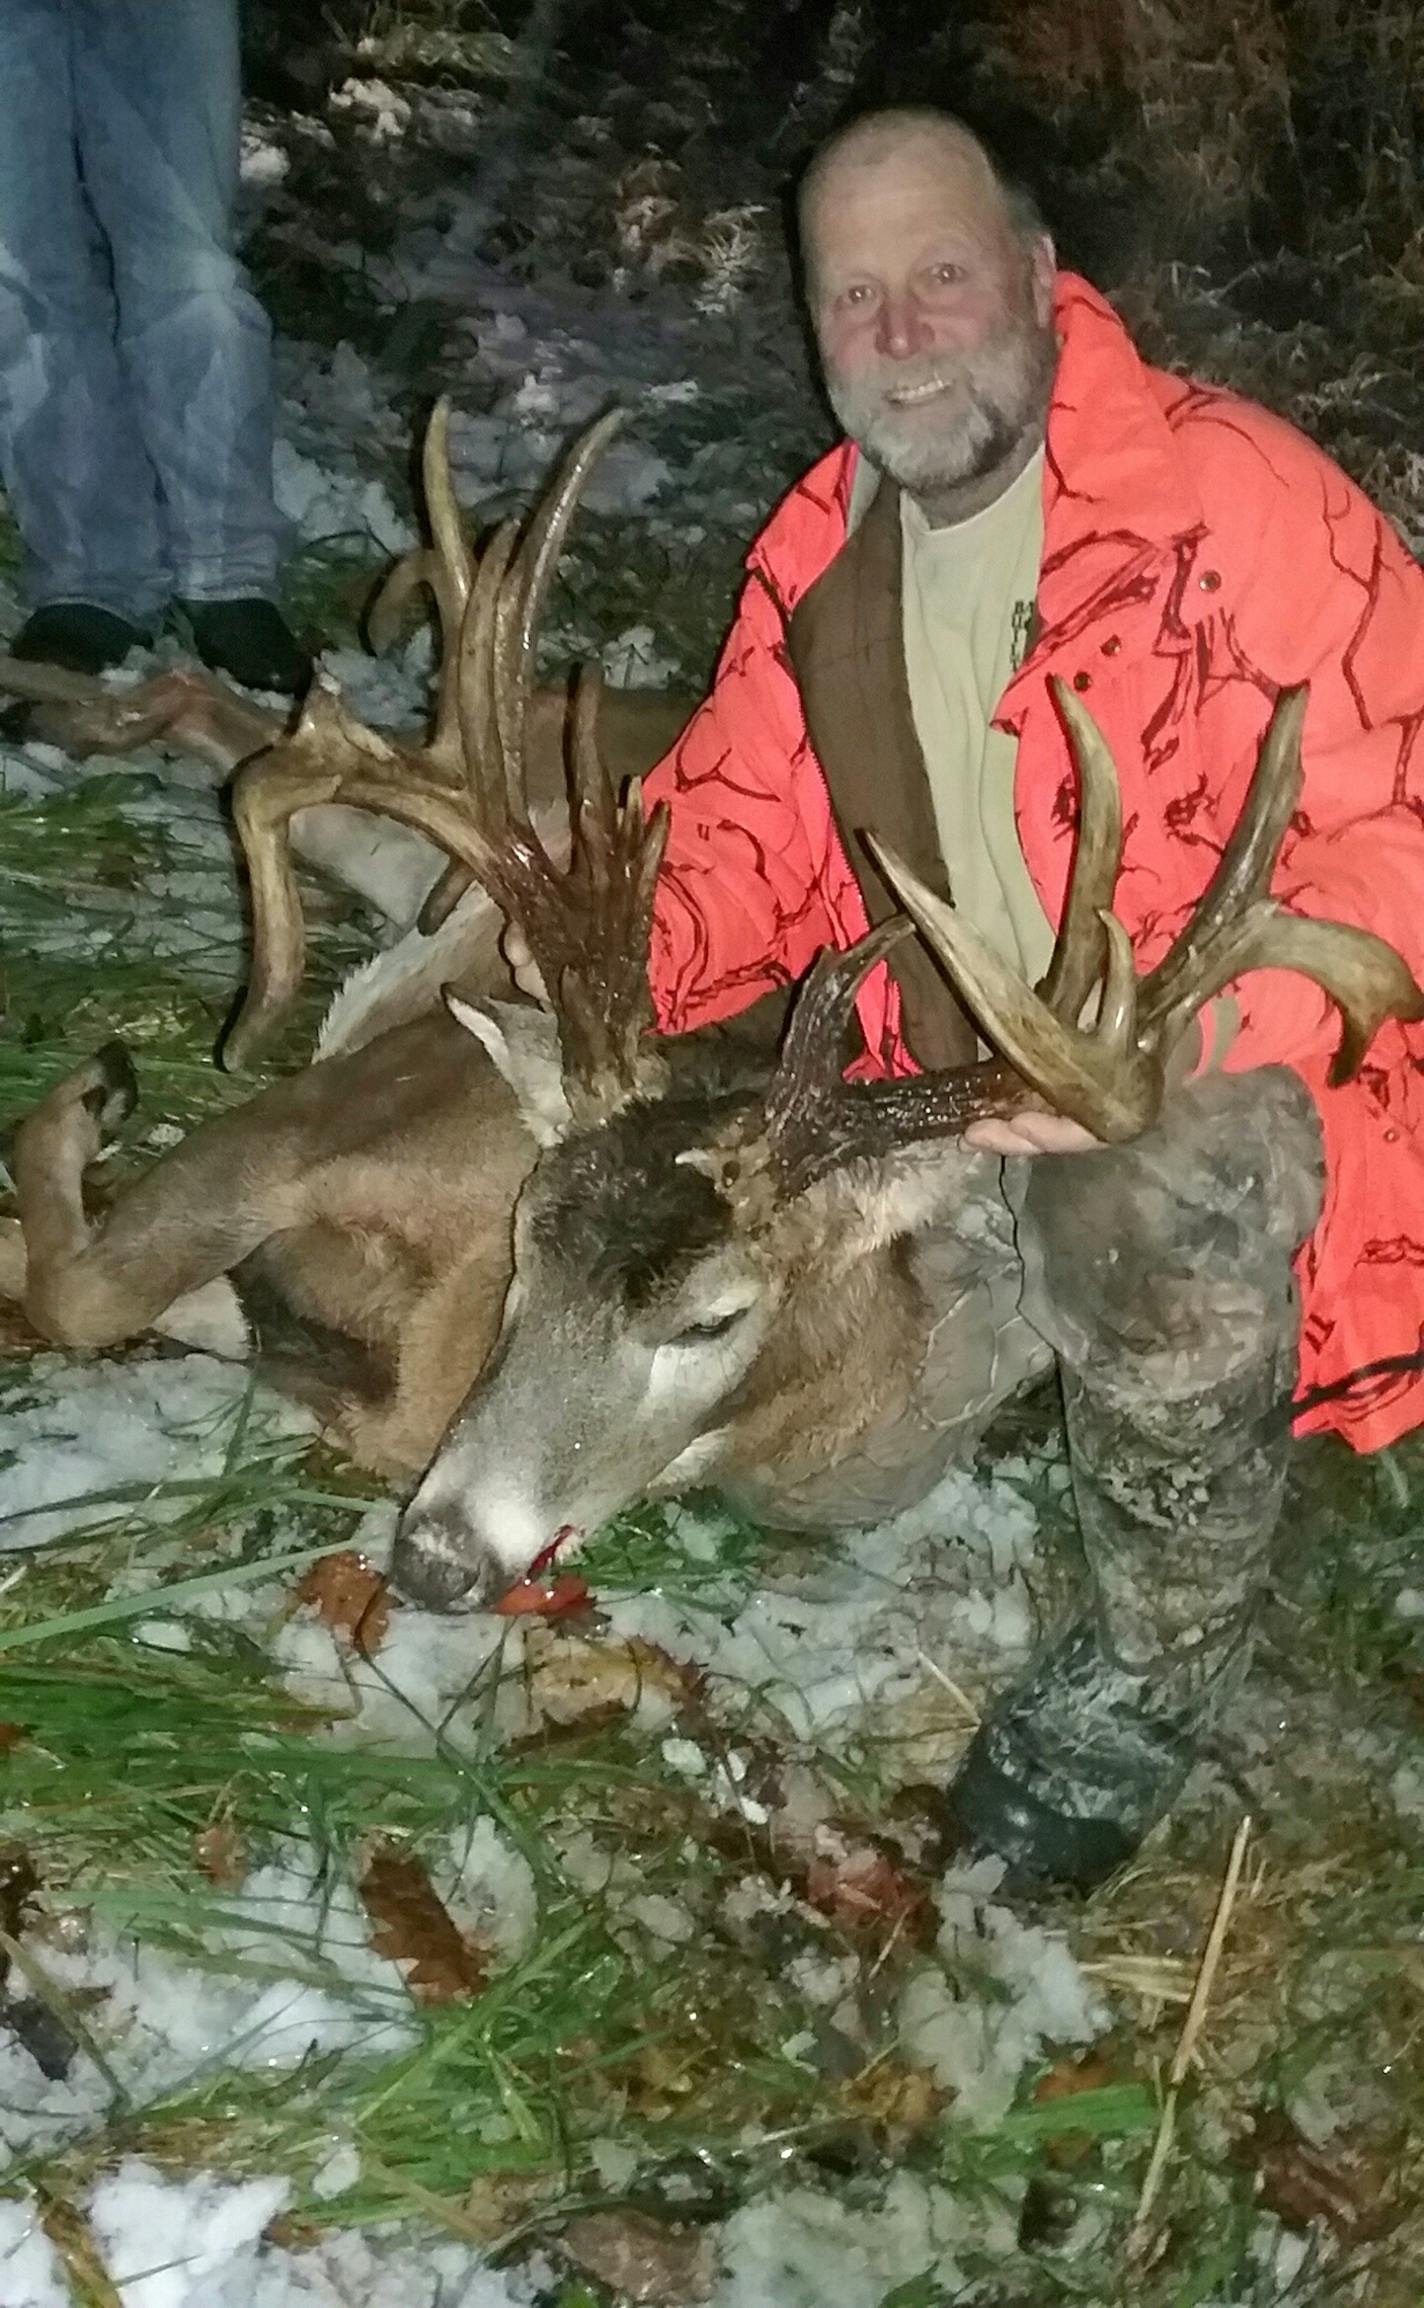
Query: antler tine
{"x": 1170, "y": 992}
{"x": 1078, "y": 951}
{"x": 486, "y": 770}
{"x": 594, "y": 960}
{"x": 1101, "y": 1079}
{"x": 477, "y": 724}
{"x": 307, "y": 767}
{"x": 1237, "y": 927}
{"x": 446, "y": 566}
{"x": 523, "y": 607}
{"x": 812, "y": 1058}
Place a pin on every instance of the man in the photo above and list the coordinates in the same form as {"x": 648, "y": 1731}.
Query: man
{"x": 135, "y": 363}
{"x": 1020, "y": 497}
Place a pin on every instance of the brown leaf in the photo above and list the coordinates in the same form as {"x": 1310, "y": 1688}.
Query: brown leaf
{"x": 416, "y": 1929}
{"x": 496, "y": 2202}
{"x": 1090, "y": 2072}
{"x": 11, "y": 1735}
{"x": 863, "y": 1891}
{"x": 643, "y": 2260}
{"x": 571, "y": 1680}
{"x": 19, "y": 1881}
{"x": 1345, "y": 2185}
{"x": 353, "y": 1599}
{"x": 220, "y": 1855}
{"x": 895, "y": 2099}
{"x": 78, "y": 2252}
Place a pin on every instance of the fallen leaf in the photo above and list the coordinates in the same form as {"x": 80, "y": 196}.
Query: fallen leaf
{"x": 219, "y": 1855}
{"x": 19, "y": 1881}
{"x": 864, "y": 1892}
{"x": 292, "y": 2231}
{"x": 571, "y": 1679}
{"x": 496, "y": 2202}
{"x": 644, "y": 2261}
{"x": 352, "y": 1599}
{"x": 415, "y": 1929}
{"x": 528, "y": 1597}
{"x": 1091, "y": 2071}
{"x": 1345, "y": 2185}
{"x": 77, "y": 2250}
{"x": 895, "y": 2099}
{"x": 11, "y": 1735}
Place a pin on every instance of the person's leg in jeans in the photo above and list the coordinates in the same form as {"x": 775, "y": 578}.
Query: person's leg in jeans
{"x": 1161, "y": 1274}
{"x": 158, "y": 106}
{"x": 72, "y": 456}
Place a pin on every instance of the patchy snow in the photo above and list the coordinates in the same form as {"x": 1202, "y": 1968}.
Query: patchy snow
{"x": 201, "y": 2243}
{"x": 1006, "y": 1990}
{"x": 85, "y": 1442}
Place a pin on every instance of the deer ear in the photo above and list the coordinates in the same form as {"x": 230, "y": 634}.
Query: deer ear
{"x": 876, "y": 1202}
{"x": 523, "y": 1043}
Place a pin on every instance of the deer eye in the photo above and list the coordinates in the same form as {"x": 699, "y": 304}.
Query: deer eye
{"x": 703, "y": 1333}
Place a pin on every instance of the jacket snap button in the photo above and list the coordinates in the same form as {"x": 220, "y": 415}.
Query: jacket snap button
{"x": 1082, "y": 681}
{"x": 1209, "y": 580}
{"x": 1390, "y": 1136}
{"x": 1111, "y": 646}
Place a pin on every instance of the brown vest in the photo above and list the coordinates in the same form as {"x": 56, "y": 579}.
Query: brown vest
{"x": 846, "y": 643}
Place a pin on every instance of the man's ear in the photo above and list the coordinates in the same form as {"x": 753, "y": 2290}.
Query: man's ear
{"x": 523, "y": 1042}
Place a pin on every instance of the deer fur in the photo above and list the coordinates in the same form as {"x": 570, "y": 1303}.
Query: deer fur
{"x": 546, "y": 1261}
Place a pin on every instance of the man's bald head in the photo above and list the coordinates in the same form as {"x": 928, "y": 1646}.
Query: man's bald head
{"x": 930, "y": 283}
{"x": 941, "y": 139}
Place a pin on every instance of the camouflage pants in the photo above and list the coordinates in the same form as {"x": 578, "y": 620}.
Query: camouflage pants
{"x": 1160, "y": 1274}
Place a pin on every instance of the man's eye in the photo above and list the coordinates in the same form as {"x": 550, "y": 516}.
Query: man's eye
{"x": 948, "y": 275}
{"x": 858, "y": 295}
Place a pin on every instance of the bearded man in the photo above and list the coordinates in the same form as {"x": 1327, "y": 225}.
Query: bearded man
{"x": 1020, "y": 497}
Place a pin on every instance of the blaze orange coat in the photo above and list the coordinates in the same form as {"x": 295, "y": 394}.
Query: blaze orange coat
{"x": 1199, "y": 555}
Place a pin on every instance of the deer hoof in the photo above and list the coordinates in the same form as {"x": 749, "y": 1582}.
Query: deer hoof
{"x": 110, "y": 1093}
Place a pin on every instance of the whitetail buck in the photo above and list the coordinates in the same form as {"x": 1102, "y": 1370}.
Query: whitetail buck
{"x": 546, "y": 1259}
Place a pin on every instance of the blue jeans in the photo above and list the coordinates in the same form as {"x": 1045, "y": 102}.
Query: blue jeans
{"x": 135, "y": 362}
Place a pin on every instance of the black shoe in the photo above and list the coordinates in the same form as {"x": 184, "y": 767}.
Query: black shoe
{"x": 250, "y": 640}
{"x": 1072, "y": 1767}
{"x": 76, "y": 636}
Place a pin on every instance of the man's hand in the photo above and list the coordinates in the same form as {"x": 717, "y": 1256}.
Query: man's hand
{"x": 1032, "y": 1134}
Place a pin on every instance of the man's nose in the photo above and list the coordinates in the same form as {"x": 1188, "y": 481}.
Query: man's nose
{"x": 904, "y": 329}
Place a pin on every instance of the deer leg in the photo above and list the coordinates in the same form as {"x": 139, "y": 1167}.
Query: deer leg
{"x": 1161, "y": 1275}
{"x": 148, "y": 1260}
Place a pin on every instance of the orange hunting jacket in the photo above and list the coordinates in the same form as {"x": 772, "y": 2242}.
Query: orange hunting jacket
{"x": 1199, "y": 555}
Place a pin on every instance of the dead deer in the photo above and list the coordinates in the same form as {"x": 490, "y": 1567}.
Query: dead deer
{"x": 549, "y": 1261}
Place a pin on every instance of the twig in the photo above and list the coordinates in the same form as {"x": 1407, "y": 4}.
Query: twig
{"x": 1187, "y": 2042}
{"x": 961, "y": 1698}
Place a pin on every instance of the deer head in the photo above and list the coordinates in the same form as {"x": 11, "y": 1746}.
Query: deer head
{"x": 708, "y": 1258}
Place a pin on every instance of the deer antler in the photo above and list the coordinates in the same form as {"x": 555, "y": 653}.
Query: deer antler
{"x": 587, "y": 926}
{"x": 181, "y": 707}
{"x": 1110, "y": 1075}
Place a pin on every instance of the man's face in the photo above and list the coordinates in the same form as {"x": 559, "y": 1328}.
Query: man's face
{"x": 933, "y": 318}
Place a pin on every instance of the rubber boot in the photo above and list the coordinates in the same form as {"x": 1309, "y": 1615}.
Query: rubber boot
{"x": 1178, "y": 1503}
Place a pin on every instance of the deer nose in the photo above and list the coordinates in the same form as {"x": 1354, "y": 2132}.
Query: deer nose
{"x": 435, "y": 1563}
